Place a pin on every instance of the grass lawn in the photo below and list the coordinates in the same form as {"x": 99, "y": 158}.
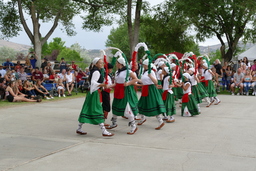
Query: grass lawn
{"x": 74, "y": 95}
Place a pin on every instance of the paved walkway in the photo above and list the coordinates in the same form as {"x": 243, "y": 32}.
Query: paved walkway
{"x": 41, "y": 137}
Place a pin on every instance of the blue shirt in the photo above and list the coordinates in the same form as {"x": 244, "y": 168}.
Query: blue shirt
{"x": 8, "y": 64}
{"x": 33, "y": 62}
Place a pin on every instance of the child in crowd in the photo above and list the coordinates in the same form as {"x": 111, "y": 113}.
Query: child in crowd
{"x": 61, "y": 88}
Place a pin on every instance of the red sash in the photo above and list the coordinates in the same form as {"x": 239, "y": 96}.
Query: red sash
{"x": 185, "y": 98}
{"x": 107, "y": 90}
{"x": 119, "y": 91}
{"x": 164, "y": 95}
{"x": 100, "y": 95}
{"x": 205, "y": 81}
{"x": 144, "y": 91}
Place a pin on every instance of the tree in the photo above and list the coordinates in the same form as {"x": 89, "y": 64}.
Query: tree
{"x": 96, "y": 14}
{"x": 233, "y": 19}
{"x": 69, "y": 55}
{"x": 6, "y": 52}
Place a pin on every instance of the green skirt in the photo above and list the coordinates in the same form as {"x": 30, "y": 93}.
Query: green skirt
{"x": 159, "y": 82}
{"x": 210, "y": 89}
{"x": 119, "y": 105}
{"x": 179, "y": 92}
{"x": 170, "y": 105}
{"x": 152, "y": 104}
{"x": 203, "y": 92}
{"x": 196, "y": 94}
{"x": 191, "y": 105}
{"x": 92, "y": 111}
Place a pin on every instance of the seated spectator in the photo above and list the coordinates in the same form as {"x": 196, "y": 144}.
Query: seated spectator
{"x": 70, "y": 81}
{"x": 17, "y": 66}
{"x": 27, "y": 66}
{"x": 87, "y": 71}
{"x": 74, "y": 66}
{"x": 46, "y": 76}
{"x": 2, "y": 71}
{"x": 44, "y": 64}
{"x": 253, "y": 68}
{"x": 62, "y": 75}
{"x": 228, "y": 78}
{"x": 53, "y": 78}
{"x": 41, "y": 90}
{"x": 29, "y": 89}
{"x": 247, "y": 81}
{"x": 79, "y": 78}
{"x": 246, "y": 62}
{"x": 37, "y": 75}
{"x": 13, "y": 96}
{"x": 63, "y": 65}
{"x": 238, "y": 82}
{"x": 8, "y": 65}
{"x": 243, "y": 68}
{"x": 20, "y": 86}
{"x": 2, "y": 88}
{"x": 254, "y": 82}
{"x": 61, "y": 88}
{"x": 48, "y": 68}
{"x": 9, "y": 77}
{"x": 23, "y": 75}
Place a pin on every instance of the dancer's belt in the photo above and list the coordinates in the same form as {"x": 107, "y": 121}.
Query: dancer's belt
{"x": 119, "y": 91}
{"x": 99, "y": 91}
{"x": 164, "y": 95}
{"x": 185, "y": 98}
{"x": 144, "y": 91}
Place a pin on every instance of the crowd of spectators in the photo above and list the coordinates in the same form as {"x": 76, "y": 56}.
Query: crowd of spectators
{"x": 240, "y": 81}
{"x": 26, "y": 82}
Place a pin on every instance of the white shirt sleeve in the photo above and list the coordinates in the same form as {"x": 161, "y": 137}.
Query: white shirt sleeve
{"x": 94, "y": 81}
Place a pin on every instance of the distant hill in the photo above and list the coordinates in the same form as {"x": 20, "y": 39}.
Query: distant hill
{"x": 213, "y": 48}
{"x": 15, "y": 46}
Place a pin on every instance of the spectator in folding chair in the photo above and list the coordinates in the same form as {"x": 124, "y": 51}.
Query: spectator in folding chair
{"x": 53, "y": 78}
{"x": 41, "y": 90}
{"x": 70, "y": 82}
{"x": 61, "y": 88}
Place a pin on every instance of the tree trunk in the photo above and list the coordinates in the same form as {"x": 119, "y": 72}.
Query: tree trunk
{"x": 137, "y": 23}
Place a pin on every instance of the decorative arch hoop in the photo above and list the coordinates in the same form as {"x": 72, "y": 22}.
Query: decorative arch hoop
{"x": 134, "y": 55}
{"x": 204, "y": 57}
{"x": 105, "y": 66}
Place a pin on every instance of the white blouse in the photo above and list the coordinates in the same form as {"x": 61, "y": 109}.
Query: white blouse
{"x": 207, "y": 75}
{"x": 193, "y": 80}
{"x": 158, "y": 74}
{"x": 94, "y": 81}
{"x": 120, "y": 78}
{"x": 145, "y": 78}
{"x": 188, "y": 90}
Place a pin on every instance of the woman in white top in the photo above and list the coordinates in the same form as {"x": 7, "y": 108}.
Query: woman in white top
{"x": 150, "y": 103}
{"x": 92, "y": 111}
{"x": 125, "y": 99}
{"x": 189, "y": 105}
{"x": 70, "y": 81}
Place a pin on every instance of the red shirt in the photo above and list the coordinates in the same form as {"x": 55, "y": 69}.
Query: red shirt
{"x": 74, "y": 66}
{"x": 38, "y": 75}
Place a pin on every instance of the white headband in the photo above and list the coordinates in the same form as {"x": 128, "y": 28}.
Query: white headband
{"x": 167, "y": 70}
{"x": 121, "y": 60}
{"x": 186, "y": 75}
{"x": 95, "y": 60}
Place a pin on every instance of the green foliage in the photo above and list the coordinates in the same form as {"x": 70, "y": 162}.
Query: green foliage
{"x": 69, "y": 55}
{"x": 215, "y": 55}
{"x": 6, "y": 52}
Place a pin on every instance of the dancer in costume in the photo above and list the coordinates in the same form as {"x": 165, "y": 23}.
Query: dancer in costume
{"x": 150, "y": 103}
{"x": 105, "y": 93}
{"x": 125, "y": 99}
{"x": 195, "y": 91}
{"x": 92, "y": 111}
{"x": 208, "y": 83}
{"x": 189, "y": 105}
{"x": 168, "y": 96}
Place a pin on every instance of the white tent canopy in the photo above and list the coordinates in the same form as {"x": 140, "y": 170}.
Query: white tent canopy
{"x": 250, "y": 54}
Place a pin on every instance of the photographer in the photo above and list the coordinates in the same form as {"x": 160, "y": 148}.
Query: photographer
{"x": 33, "y": 59}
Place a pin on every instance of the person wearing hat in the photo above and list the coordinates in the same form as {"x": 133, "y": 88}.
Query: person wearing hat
{"x": 44, "y": 64}
{"x": 92, "y": 111}
{"x": 189, "y": 105}
{"x": 208, "y": 84}
{"x": 195, "y": 91}
{"x": 106, "y": 93}
{"x": 150, "y": 103}
{"x": 125, "y": 99}
{"x": 168, "y": 95}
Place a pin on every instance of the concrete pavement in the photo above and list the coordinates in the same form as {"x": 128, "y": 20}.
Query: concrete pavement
{"x": 41, "y": 136}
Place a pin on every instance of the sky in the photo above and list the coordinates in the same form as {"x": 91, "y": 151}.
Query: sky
{"x": 86, "y": 39}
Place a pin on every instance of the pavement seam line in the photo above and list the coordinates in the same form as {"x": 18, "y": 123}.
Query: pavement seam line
{"x": 37, "y": 158}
